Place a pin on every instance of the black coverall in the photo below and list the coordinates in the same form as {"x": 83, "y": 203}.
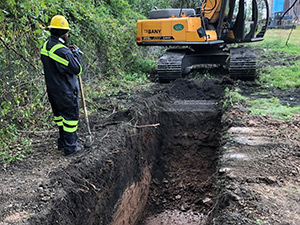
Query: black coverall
{"x": 61, "y": 67}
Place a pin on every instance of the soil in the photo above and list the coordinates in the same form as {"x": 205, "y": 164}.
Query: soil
{"x": 250, "y": 176}
{"x": 181, "y": 190}
{"x": 184, "y": 195}
{"x": 259, "y": 171}
{"x": 289, "y": 97}
{"x": 259, "y": 166}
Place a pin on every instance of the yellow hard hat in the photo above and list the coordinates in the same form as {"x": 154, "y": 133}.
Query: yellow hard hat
{"x": 59, "y": 22}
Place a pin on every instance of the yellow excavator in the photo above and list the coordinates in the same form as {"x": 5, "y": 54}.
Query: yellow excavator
{"x": 204, "y": 36}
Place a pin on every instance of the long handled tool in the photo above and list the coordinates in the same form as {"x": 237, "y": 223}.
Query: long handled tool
{"x": 90, "y": 138}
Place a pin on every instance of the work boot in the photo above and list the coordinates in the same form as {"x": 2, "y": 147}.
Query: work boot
{"x": 79, "y": 150}
{"x": 60, "y": 140}
{"x": 60, "y": 147}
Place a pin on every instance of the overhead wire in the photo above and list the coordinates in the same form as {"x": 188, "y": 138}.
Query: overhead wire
{"x": 288, "y": 38}
{"x": 294, "y": 3}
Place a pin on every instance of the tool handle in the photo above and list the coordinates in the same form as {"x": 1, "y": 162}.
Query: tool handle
{"x": 84, "y": 104}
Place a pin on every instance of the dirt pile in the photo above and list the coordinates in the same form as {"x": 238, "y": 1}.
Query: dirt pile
{"x": 48, "y": 188}
{"x": 193, "y": 90}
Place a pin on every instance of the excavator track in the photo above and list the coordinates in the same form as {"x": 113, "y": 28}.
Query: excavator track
{"x": 169, "y": 66}
{"x": 242, "y": 64}
{"x": 176, "y": 63}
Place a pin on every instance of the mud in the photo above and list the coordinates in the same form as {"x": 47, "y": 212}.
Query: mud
{"x": 176, "y": 217}
{"x": 51, "y": 189}
{"x": 133, "y": 200}
{"x": 286, "y": 97}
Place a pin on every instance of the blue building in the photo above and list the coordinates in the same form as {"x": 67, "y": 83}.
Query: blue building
{"x": 276, "y": 20}
{"x": 278, "y": 6}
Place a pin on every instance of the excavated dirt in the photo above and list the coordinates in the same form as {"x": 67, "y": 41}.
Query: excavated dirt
{"x": 156, "y": 153}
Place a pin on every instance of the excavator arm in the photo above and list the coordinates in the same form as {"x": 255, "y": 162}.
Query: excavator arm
{"x": 211, "y": 10}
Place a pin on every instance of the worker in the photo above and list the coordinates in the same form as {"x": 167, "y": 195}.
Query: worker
{"x": 61, "y": 67}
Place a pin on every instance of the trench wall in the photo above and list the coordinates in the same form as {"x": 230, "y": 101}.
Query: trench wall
{"x": 109, "y": 184}
{"x": 183, "y": 177}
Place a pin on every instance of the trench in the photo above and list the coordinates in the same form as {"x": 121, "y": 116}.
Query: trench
{"x": 164, "y": 173}
{"x": 180, "y": 188}
{"x": 184, "y": 194}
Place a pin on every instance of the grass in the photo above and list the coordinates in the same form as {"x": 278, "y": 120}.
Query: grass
{"x": 272, "y": 107}
{"x": 281, "y": 77}
{"x": 233, "y": 97}
{"x": 285, "y": 75}
{"x": 276, "y": 40}
{"x": 282, "y": 35}
{"x": 262, "y": 106}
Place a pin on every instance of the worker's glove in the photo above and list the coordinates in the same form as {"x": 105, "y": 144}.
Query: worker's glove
{"x": 76, "y": 50}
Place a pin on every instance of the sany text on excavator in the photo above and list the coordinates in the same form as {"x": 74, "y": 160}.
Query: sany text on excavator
{"x": 202, "y": 36}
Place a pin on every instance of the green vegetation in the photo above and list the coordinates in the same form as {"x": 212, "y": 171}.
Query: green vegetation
{"x": 277, "y": 72}
{"x": 281, "y": 45}
{"x": 104, "y": 30}
{"x": 273, "y": 107}
{"x": 263, "y": 106}
{"x": 282, "y": 35}
{"x": 233, "y": 97}
{"x": 281, "y": 76}
{"x": 113, "y": 64}
{"x": 279, "y": 40}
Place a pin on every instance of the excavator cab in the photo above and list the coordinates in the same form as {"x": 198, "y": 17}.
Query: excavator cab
{"x": 202, "y": 35}
{"x": 243, "y": 19}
